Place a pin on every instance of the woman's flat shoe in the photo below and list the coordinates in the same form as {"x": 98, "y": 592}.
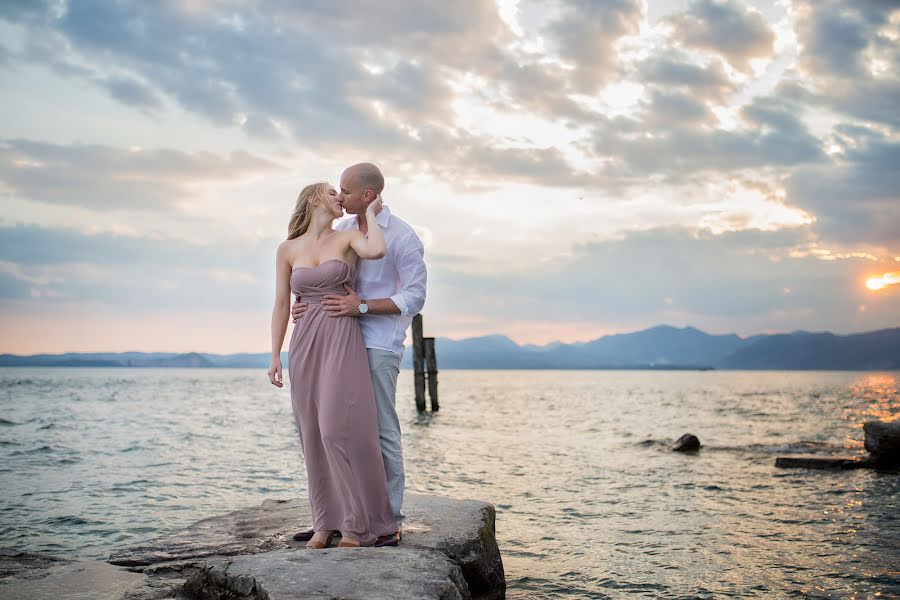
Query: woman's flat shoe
{"x": 318, "y": 546}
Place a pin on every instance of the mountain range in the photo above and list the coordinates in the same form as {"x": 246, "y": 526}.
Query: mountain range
{"x": 660, "y": 347}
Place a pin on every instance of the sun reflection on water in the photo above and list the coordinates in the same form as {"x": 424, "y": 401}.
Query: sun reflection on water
{"x": 877, "y": 399}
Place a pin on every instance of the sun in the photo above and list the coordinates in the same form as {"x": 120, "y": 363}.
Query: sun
{"x": 878, "y": 283}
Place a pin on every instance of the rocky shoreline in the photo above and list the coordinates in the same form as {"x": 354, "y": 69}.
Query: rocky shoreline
{"x": 449, "y": 551}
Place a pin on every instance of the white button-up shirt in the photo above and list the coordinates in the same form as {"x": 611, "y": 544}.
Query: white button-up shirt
{"x": 400, "y": 276}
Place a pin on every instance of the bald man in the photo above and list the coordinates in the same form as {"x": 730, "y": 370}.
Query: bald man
{"x": 389, "y": 292}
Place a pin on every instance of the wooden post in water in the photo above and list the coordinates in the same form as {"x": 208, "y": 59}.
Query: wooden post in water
{"x": 419, "y": 363}
{"x": 431, "y": 372}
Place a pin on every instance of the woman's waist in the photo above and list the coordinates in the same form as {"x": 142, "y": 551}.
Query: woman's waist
{"x": 317, "y": 296}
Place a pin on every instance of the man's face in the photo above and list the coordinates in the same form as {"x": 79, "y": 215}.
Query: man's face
{"x": 352, "y": 196}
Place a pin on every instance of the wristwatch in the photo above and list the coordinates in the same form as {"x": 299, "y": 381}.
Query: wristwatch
{"x": 363, "y": 308}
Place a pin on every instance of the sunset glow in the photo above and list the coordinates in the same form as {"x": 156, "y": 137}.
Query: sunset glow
{"x": 878, "y": 283}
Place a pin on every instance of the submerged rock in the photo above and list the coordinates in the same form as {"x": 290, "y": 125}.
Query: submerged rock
{"x": 41, "y": 577}
{"x": 883, "y": 440}
{"x": 449, "y": 550}
{"x": 823, "y": 462}
{"x": 15, "y": 564}
{"x": 686, "y": 443}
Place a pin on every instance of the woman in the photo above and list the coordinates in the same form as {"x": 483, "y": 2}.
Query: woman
{"x": 331, "y": 386}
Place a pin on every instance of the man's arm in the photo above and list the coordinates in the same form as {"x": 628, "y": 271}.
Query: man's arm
{"x": 408, "y": 301}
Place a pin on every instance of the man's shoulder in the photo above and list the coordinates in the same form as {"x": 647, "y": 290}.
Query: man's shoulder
{"x": 402, "y": 228}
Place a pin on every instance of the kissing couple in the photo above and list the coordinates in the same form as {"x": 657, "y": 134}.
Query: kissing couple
{"x": 358, "y": 285}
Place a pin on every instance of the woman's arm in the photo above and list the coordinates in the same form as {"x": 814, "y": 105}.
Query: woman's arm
{"x": 280, "y": 312}
{"x": 373, "y": 246}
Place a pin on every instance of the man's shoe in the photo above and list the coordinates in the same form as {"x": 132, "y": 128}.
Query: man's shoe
{"x": 390, "y": 539}
{"x": 307, "y": 534}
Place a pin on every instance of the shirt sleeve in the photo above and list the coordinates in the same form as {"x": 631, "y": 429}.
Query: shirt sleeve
{"x": 410, "y": 262}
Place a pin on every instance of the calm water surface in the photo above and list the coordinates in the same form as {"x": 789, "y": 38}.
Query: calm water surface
{"x": 589, "y": 502}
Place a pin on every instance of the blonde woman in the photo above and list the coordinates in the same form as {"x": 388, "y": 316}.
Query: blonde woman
{"x": 331, "y": 387}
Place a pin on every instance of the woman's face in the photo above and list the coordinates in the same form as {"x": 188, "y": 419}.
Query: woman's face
{"x": 332, "y": 202}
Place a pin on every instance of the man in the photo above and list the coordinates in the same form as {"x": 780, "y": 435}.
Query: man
{"x": 390, "y": 291}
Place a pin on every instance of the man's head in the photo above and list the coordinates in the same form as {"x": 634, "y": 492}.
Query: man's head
{"x": 360, "y": 185}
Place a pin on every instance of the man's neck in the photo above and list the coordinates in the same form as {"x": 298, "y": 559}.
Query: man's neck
{"x": 363, "y": 223}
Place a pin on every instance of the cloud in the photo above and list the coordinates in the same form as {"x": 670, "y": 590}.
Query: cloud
{"x": 770, "y": 136}
{"x": 263, "y": 67}
{"x": 858, "y": 198}
{"x": 670, "y": 107}
{"x": 674, "y": 69}
{"x": 106, "y": 178}
{"x": 16, "y": 10}
{"x": 142, "y": 272}
{"x": 727, "y": 27}
{"x": 850, "y": 57}
{"x": 586, "y": 34}
{"x": 133, "y": 92}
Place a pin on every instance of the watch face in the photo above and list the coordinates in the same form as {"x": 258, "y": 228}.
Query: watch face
{"x": 363, "y": 309}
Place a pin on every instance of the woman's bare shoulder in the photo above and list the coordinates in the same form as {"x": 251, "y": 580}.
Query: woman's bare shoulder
{"x": 289, "y": 248}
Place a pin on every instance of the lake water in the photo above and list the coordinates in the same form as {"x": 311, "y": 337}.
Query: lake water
{"x": 95, "y": 460}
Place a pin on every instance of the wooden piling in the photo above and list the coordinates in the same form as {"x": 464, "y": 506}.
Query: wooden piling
{"x": 419, "y": 363}
{"x": 431, "y": 372}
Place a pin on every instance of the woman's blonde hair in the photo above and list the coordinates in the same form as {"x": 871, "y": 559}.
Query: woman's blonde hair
{"x": 302, "y": 214}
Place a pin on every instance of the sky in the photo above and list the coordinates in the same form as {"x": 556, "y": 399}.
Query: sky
{"x": 575, "y": 168}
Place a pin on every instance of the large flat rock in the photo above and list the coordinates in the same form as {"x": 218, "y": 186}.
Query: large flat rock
{"x": 462, "y": 531}
{"x": 357, "y": 574}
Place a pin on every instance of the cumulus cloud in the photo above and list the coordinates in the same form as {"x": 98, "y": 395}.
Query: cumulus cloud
{"x": 727, "y": 27}
{"x": 771, "y": 136}
{"x": 675, "y": 70}
{"x": 850, "y": 57}
{"x": 586, "y": 35}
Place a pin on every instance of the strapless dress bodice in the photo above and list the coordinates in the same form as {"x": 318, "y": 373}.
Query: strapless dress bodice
{"x": 329, "y": 277}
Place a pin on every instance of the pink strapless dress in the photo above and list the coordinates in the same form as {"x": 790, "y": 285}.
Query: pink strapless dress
{"x": 334, "y": 407}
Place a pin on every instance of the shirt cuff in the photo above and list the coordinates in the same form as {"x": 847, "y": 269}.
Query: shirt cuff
{"x": 401, "y": 304}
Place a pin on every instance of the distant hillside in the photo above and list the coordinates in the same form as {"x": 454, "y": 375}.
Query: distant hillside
{"x": 658, "y": 347}
{"x": 876, "y": 350}
{"x": 661, "y": 347}
{"x": 125, "y": 359}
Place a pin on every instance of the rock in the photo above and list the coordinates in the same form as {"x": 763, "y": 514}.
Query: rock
{"x": 464, "y": 531}
{"x": 686, "y": 443}
{"x": 883, "y": 440}
{"x": 460, "y": 530}
{"x": 15, "y": 564}
{"x": 348, "y": 574}
{"x": 823, "y": 462}
{"x": 67, "y": 579}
